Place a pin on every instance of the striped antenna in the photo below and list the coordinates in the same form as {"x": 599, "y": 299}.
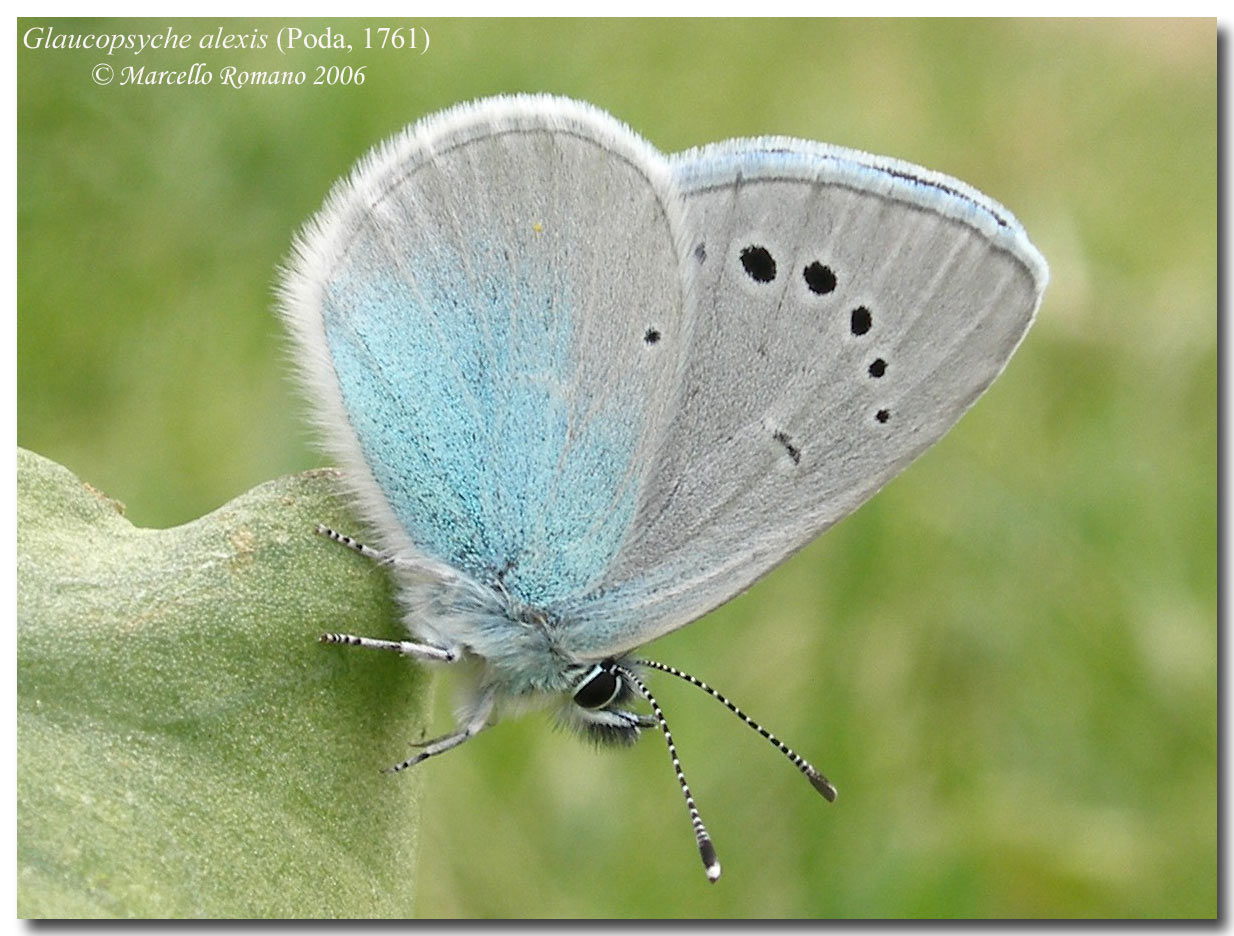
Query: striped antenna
{"x": 705, "y": 849}
{"x": 821, "y": 783}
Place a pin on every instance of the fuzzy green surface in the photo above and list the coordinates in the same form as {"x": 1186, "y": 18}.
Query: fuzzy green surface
{"x": 185, "y": 746}
{"x": 1006, "y": 661}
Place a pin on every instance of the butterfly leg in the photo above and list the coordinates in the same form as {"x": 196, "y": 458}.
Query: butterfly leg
{"x": 420, "y": 566}
{"x": 478, "y": 721}
{"x": 410, "y": 648}
{"x": 367, "y": 552}
{"x": 420, "y": 651}
{"x": 613, "y": 726}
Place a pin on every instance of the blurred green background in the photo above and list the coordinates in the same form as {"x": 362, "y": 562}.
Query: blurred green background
{"x": 1007, "y": 661}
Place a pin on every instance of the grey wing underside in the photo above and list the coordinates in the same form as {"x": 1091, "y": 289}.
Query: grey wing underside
{"x": 898, "y": 296}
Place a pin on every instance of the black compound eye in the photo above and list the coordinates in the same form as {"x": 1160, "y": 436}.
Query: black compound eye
{"x": 598, "y": 688}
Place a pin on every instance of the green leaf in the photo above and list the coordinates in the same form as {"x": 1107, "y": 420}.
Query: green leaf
{"x": 186, "y": 747}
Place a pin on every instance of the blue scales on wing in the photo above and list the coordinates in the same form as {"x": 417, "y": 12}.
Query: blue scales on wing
{"x": 501, "y": 358}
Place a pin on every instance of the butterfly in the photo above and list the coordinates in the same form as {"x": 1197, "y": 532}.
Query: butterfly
{"x": 585, "y": 392}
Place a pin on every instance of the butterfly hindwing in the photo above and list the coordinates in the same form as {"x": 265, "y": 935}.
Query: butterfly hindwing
{"x": 491, "y": 315}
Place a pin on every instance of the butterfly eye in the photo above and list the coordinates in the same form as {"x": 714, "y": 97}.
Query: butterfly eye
{"x": 598, "y": 688}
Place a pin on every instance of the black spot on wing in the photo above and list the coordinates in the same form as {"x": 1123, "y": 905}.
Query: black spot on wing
{"x": 860, "y": 321}
{"x": 758, "y": 263}
{"x": 820, "y": 279}
{"x": 793, "y": 451}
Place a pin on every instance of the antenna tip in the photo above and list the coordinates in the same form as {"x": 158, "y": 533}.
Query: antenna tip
{"x": 822, "y": 784}
{"x": 710, "y": 861}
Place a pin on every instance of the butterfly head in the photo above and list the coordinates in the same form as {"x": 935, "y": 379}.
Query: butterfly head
{"x": 596, "y": 703}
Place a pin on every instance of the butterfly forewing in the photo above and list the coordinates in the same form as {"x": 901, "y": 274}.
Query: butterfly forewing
{"x": 846, "y": 314}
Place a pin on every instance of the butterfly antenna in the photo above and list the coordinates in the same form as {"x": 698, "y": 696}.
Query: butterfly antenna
{"x": 705, "y": 848}
{"x": 821, "y": 783}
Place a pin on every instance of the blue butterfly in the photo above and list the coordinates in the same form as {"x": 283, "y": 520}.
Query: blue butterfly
{"x": 585, "y": 392}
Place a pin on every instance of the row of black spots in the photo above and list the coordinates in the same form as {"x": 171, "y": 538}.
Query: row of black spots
{"x": 877, "y": 368}
{"x": 761, "y": 267}
{"x": 860, "y": 322}
{"x": 820, "y": 279}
